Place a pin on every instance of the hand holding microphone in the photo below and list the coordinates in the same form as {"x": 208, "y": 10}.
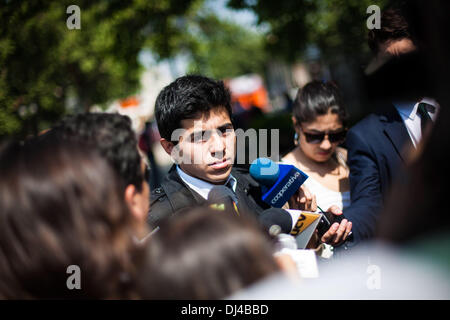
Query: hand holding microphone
{"x": 282, "y": 184}
{"x": 303, "y": 199}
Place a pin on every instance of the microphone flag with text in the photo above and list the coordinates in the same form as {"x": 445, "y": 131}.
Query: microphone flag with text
{"x": 278, "y": 181}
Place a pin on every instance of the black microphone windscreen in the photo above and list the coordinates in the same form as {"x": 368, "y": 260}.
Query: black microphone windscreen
{"x": 276, "y": 216}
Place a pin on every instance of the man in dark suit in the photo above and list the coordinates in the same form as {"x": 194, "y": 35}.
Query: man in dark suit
{"x": 378, "y": 145}
{"x": 194, "y": 119}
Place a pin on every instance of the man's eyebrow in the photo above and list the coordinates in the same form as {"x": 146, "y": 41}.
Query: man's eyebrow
{"x": 225, "y": 126}
{"x": 195, "y": 133}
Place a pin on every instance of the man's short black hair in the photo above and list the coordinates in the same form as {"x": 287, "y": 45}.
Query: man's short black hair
{"x": 113, "y": 137}
{"x": 186, "y": 98}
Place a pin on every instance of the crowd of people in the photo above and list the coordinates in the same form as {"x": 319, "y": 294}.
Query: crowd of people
{"x": 79, "y": 195}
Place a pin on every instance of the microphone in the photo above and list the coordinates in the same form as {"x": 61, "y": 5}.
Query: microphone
{"x": 273, "y": 217}
{"x": 278, "y": 181}
{"x": 295, "y": 225}
{"x": 223, "y": 199}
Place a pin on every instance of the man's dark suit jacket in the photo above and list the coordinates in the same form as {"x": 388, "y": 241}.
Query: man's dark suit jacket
{"x": 174, "y": 195}
{"x": 376, "y": 156}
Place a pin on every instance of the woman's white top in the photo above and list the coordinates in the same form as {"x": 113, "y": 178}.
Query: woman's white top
{"x": 325, "y": 197}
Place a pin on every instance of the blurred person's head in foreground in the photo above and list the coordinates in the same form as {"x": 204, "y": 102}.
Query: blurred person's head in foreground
{"x": 208, "y": 254}
{"x": 319, "y": 120}
{"x": 114, "y": 138}
{"x": 61, "y": 204}
{"x": 194, "y": 119}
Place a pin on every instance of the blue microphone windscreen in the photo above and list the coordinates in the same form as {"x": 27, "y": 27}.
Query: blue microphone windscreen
{"x": 265, "y": 171}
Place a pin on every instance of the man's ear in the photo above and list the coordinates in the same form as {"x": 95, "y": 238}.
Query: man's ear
{"x": 131, "y": 200}
{"x": 167, "y": 146}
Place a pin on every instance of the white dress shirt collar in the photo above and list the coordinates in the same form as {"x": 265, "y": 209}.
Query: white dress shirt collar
{"x": 200, "y": 186}
{"x": 408, "y": 113}
{"x": 408, "y": 109}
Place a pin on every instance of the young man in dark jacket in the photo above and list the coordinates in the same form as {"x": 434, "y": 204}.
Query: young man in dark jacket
{"x": 194, "y": 120}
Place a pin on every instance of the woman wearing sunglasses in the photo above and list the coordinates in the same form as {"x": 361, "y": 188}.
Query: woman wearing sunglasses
{"x": 319, "y": 120}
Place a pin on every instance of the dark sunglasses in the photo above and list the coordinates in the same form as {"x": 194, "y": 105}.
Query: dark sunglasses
{"x": 316, "y": 138}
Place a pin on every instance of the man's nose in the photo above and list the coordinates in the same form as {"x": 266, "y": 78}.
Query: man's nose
{"x": 217, "y": 143}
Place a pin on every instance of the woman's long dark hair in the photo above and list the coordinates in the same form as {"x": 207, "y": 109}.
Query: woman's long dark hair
{"x": 318, "y": 98}
{"x": 61, "y": 205}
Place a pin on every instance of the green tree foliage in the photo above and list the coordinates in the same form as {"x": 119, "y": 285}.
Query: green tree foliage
{"x": 335, "y": 26}
{"x": 42, "y": 62}
{"x": 223, "y": 49}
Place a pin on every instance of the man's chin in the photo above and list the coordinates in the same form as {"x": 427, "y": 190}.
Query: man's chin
{"x": 219, "y": 177}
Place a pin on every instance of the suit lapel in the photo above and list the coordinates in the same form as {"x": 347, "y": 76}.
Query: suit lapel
{"x": 241, "y": 194}
{"x": 395, "y": 130}
{"x": 179, "y": 194}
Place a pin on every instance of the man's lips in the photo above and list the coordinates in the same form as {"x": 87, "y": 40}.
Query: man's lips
{"x": 220, "y": 164}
